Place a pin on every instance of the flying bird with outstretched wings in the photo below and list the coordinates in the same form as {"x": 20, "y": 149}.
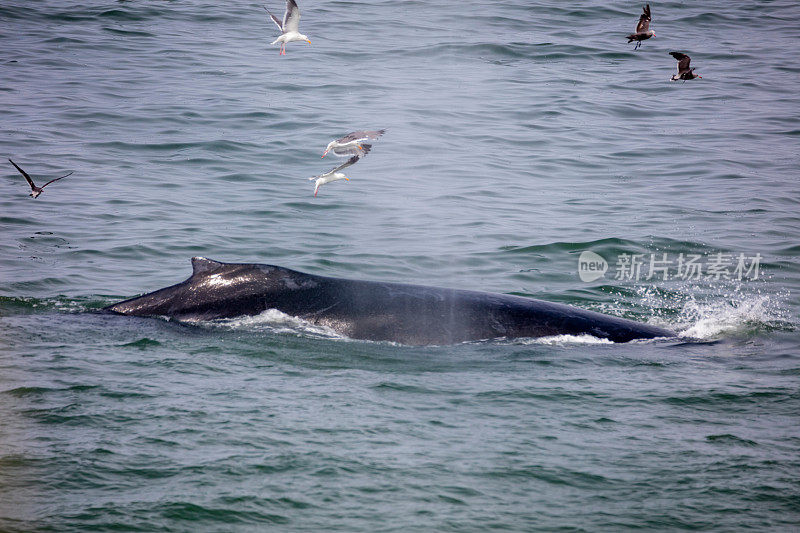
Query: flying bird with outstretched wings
{"x": 351, "y": 143}
{"x": 684, "y": 72}
{"x": 643, "y": 31}
{"x": 35, "y": 191}
{"x": 289, "y": 26}
{"x": 335, "y": 174}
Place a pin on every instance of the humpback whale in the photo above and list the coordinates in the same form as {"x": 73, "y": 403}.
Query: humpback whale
{"x": 374, "y": 310}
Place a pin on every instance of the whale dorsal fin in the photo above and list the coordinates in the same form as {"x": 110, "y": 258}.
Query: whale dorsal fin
{"x": 201, "y": 265}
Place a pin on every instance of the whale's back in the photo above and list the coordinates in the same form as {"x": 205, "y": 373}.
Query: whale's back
{"x": 404, "y": 313}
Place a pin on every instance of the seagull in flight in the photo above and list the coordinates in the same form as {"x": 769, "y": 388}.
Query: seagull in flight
{"x": 643, "y": 30}
{"x": 35, "y": 191}
{"x": 289, "y": 27}
{"x": 351, "y": 143}
{"x": 684, "y": 72}
{"x": 335, "y": 175}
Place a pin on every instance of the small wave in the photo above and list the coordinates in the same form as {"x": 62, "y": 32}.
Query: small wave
{"x": 142, "y": 344}
{"x": 129, "y": 33}
{"x": 56, "y": 303}
{"x": 729, "y": 439}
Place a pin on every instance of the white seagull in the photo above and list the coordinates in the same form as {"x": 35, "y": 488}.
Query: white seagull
{"x": 289, "y": 26}
{"x": 351, "y": 144}
{"x": 335, "y": 175}
{"x": 35, "y": 191}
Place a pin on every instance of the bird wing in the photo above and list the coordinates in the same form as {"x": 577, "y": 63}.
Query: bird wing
{"x": 361, "y": 135}
{"x": 374, "y": 135}
{"x": 643, "y": 25}
{"x": 291, "y": 19}
{"x": 275, "y": 19}
{"x": 345, "y": 152}
{"x": 352, "y": 150}
{"x": 644, "y": 20}
{"x": 24, "y": 174}
{"x": 352, "y": 136}
{"x": 683, "y": 61}
{"x": 61, "y": 178}
{"x": 352, "y": 161}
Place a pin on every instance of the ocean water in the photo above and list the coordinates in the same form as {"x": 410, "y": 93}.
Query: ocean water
{"x": 519, "y": 135}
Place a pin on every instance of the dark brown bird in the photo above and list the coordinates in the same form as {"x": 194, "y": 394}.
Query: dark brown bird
{"x": 684, "y": 72}
{"x": 35, "y": 191}
{"x": 643, "y": 31}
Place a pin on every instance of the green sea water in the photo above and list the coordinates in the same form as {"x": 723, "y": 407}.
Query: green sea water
{"x": 519, "y": 135}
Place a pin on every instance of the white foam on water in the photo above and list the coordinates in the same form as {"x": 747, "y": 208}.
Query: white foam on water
{"x": 274, "y": 321}
{"x": 561, "y": 340}
{"x": 698, "y": 313}
{"x": 710, "y": 320}
{"x": 557, "y": 340}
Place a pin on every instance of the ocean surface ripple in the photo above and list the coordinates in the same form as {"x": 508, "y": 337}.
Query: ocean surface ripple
{"x": 519, "y": 135}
